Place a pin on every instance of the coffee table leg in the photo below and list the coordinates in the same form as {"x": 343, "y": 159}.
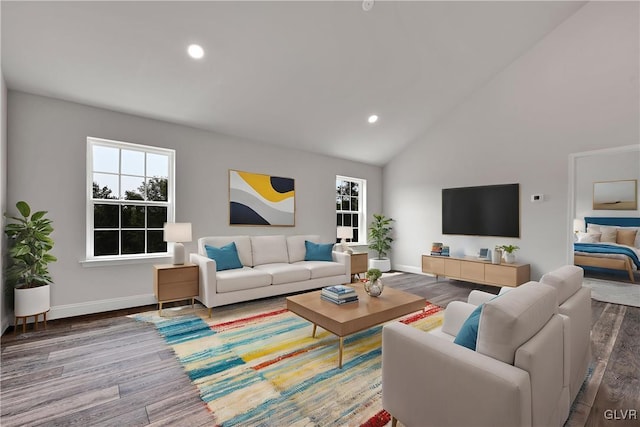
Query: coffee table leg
{"x": 313, "y": 334}
{"x": 340, "y": 352}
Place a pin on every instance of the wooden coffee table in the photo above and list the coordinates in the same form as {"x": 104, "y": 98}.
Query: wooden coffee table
{"x": 347, "y": 319}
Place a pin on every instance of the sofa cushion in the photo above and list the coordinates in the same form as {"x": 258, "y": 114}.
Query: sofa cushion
{"x": 323, "y": 268}
{"x": 567, "y": 280}
{"x": 226, "y": 257}
{"x": 468, "y": 333}
{"x": 240, "y": 279}
{"x": 296, "y": 247}
{"x": 284, "y": 272}
{"x": 318, "y": 251}
{"x": 243, "y": 246}
{"x": 509, "y": 321}
{"x": 269, "y": 249}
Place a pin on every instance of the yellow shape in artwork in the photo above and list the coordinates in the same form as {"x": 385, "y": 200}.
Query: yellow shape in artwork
{"x": 262, "y": 185}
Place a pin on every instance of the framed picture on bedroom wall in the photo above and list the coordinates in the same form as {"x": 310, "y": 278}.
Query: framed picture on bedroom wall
{"x": 615, "y": 195}
{"x": 262, "y": 200}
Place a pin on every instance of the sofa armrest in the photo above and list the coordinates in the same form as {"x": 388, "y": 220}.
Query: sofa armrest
{"x": 455, "y": 315}
{"x": 425, "y": 377}
{"x": 208, "y": 280}
{"x": 343, "y": 258}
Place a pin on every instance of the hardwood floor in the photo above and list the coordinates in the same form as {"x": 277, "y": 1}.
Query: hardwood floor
{"x": 108, "y": 370}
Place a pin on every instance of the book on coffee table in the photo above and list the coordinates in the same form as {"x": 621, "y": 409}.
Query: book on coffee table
{"x": 339, "y": 301}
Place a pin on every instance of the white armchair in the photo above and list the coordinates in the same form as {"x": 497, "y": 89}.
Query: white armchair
{"x": 518, "y": 375}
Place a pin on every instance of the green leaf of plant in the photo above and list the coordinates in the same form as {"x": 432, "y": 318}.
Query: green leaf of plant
{"x": 23, "y": 208}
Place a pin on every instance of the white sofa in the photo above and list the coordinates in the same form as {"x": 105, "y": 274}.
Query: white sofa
{"x": 271, "y": 265}
{"x": 518, "y": 375}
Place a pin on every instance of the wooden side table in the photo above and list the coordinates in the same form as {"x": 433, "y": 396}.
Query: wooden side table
{"x": 175, "y": 283}
{"x": 359, "y": 264}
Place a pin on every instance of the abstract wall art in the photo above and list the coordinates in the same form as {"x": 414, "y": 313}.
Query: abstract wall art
{"x": 258, "y": 199}
{"x": 615, "y": 195}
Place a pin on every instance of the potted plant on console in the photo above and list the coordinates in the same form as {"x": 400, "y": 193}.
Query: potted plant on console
{"x": 380, "y": 242}
{"x": 509, "y": 253}
{"x": 27, "y": 272}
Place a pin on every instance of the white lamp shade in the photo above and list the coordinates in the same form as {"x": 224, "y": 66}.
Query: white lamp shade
{"x": 177, "y": 232}
{"x": 345, "y": 233}
{"x": 578, "y": 225}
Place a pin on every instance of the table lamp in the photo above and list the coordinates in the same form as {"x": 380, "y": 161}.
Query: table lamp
{"x": 344, "y": 233}
{"x": 177, "y": 233}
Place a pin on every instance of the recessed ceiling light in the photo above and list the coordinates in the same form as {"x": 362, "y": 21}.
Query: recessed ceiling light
{"x": 372, "y": 119}
{"x": 195, "y": 51}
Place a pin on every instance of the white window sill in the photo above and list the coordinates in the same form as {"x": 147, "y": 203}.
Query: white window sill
{"x": 107, "y": 262}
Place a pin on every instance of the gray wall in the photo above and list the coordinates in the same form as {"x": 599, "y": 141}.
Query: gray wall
{"x": 4, "y": 312}
{"x": 576, "y": 90}
{"x": 47, "y": 156}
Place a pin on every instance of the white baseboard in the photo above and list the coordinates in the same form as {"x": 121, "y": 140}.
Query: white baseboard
{"x": 407, "y": 268}
{"x": 91, "y": 307}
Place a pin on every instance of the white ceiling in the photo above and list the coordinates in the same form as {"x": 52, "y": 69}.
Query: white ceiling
{"x": 296, "y": 74}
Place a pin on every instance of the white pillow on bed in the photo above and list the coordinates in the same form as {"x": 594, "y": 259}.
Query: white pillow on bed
{"x": 588, "y": 237}
{"x": 609, "y": 234}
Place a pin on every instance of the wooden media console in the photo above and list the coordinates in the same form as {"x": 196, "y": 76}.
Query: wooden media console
{"x": 477, "y": 270}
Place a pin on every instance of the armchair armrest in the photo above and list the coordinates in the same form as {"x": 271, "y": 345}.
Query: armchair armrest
{"x": 455, "y": 315}
{"x": 479, "y": 297}
{"x": 425, "y": 377}
{"x": 207, "y": 278}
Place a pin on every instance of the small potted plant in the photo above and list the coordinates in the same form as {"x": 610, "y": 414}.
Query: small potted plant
{"x": 380, "y": 241}
{"x": 509, "y": 252}
{"x": 27, "y": 271}
{"x": 372, "y": 283}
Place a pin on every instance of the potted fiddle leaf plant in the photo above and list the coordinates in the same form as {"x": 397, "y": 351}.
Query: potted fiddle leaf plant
{"x": 380, "y": 242}
{"x": 27, "y": 272}
{"x": 509, "y": 252}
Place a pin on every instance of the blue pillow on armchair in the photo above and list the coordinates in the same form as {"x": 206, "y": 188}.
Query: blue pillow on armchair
{"x": 226, "y": 257}
{"x": 318, "y": 251}
{"x": 468, "y": 334}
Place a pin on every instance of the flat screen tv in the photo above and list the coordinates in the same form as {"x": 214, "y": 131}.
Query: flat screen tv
{"x": 489, "y": 210}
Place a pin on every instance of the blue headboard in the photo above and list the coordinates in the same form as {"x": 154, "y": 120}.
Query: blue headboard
{"x": 612, "y": 220}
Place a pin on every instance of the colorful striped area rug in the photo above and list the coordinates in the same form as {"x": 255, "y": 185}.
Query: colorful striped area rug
{"x": 265, "y": 369}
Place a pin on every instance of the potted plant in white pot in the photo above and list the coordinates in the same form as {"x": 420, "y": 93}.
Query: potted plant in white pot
{"x": 380, "y": 242}
{"x": 27, "y": 272}
{"x": 509, "y": 253}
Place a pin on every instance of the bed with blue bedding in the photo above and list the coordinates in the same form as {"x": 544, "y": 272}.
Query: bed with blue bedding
{"x": 608, "y": 257}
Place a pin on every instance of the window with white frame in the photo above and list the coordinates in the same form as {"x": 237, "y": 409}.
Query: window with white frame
{"x": 129, "y": 198}
{"x": 350, "y": 206}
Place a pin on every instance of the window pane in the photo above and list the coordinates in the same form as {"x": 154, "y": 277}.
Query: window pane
{"x": 345, "y": 203}
{"x": 354, "y": 203}
{"x": 338, "y": 203}
{"x": 132, "y": 216}
{"x": 132, "y": 188}
{"x": 355, "y": 189}
{"x": 157, "y": 189}
{"x": 157, "y": 165}
{"x": 132, "y": 163}
{"x": 355, "y": 235}
{"x": 105, "y": 159}
{"x": 105, "y": 243}
{"x": 355, "y": 220}
{"x": 347, "y": 220}
{"x": 343, "y": 188}
{"x": 339, "y": 219}
{"x": 155, "y": 241}
{"x": 132, "y": 242}
{"x": 156, "y": 216}
{"x": 105, "y": 216}
{"x": 105, "y": 186}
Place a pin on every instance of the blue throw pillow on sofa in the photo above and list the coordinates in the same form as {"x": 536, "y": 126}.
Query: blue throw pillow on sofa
{"x": 226, "y": 257}
{"x": 318, "y": 251}
{"x": 468, "y": 334}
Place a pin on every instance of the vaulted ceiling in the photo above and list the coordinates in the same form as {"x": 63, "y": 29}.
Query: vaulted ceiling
{"x": 295, "y": 74}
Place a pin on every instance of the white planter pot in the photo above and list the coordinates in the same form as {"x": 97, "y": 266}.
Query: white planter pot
{"x": 382, "y": 264}
{"x": 32, "y": 301}
{"x": 509, "y": 258}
